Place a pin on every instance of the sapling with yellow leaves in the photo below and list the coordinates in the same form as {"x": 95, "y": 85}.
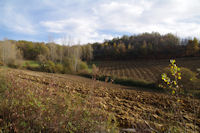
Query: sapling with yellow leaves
{"x": 171, "y": 81}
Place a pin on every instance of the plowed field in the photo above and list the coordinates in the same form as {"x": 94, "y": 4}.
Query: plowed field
{"x": 143, "y": 70}
{"x": 134, "y": 108}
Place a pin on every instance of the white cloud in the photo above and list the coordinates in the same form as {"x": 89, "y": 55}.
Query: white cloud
{"x": 181, "y": 17}
{"x": 90, "y": 21}
{"x": 80, "y": 29}
{"x": 145, "y": 16}
{"x": 16, "y": 21}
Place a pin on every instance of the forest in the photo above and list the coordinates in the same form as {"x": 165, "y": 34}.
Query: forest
{"x": 146, "y": 46}
{"x": 53, "y": 57}
{"x": 142, "y": 46}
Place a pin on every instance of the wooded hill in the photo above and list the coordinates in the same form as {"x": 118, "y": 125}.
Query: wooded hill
{"x": 142, "y": 46}
{"x": 147, "y": 46}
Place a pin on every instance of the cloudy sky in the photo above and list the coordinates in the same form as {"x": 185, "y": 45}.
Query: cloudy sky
{"x": 96, "y": 20}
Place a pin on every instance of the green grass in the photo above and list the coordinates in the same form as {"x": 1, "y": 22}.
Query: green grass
{"x": 90, "y": 67}
{"x": 31, "y": 63}
{"x": 137, "y": 83}
{"x": 127, "y": 82}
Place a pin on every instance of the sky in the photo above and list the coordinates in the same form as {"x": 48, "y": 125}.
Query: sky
{"x": 87, "y": 21}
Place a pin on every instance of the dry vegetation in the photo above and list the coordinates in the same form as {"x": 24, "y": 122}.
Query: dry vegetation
{"x": 33, "y": 102}
{"x": 132, "y": 107}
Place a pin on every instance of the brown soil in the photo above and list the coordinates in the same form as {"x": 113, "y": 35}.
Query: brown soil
{"x": 133, "y": 107}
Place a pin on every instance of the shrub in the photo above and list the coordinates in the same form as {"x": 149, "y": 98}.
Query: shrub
{"x": 197, "y": 83}
{"x": 59, "y": 68}
{"x": 82, "y": 66}
{"x": 68, "y": 65}
{"x": 41, "y": 58}
{"x": 185, "y": 80}
{"x": 95, "y": 71}
{"x": 48, "y": 66}
{"x": 188, "y": 79}
{"x": 15, "y": 63}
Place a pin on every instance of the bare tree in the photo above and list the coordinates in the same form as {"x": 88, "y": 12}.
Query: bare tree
{"x": 89, "y": 52}
{"x": 60, "y": 53}
{"x": 76, "y": 55}
{"x": 9, "y": 52}
{"x": 53, "y": 48}
{"x": 64, "y": 43}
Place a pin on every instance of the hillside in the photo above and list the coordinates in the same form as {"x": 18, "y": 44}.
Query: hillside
{"x": 146, "y": 46}
{"x": 133, "y": 107}
{"x": 104, "y": 66}
{"x": 143, "y": 70}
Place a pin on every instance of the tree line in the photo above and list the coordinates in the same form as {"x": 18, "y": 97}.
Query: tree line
{"x": 51, "y": 56}
{"x": 146, "y": 46}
